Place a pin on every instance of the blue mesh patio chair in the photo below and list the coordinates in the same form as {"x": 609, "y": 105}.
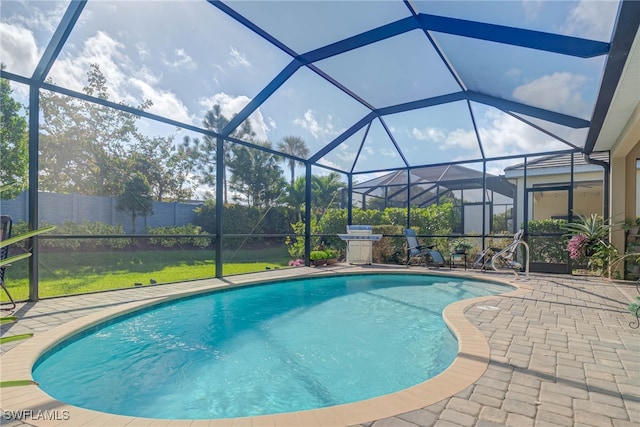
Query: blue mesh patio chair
{"x": 428, "y": 254}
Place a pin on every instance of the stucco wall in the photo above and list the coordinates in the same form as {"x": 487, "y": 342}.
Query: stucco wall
{"x": 631, "y": 182}
{"x": 623, "y": 176}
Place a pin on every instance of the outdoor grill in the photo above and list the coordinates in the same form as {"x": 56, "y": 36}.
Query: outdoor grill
{"x": 359, "y": 243}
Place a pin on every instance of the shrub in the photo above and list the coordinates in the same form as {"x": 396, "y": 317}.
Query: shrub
{"x": 239, "y": 219}
{"x": 169, "y": 242}
{"x": 389, "y": 250}
{"x": 332, "y": 253}
{"x": 430, "y": 220}
{"x": 318, "y": 255}
{"x": 86, "y": 228}
{"x": 295, "y": 245}
{"x": 547, "y": 249}
{"x": 332, "y": 223}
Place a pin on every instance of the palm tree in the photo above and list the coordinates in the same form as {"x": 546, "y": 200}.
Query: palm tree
{"x": 295, "y": 197}
{"x": 326, "y": 189}
{"x": 294, "y": 146}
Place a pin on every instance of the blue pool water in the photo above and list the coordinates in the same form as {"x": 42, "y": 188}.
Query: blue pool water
{"x": 290, "y": 346}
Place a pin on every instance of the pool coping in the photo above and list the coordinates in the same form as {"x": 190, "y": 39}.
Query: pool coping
{"x": 469, "y": 365}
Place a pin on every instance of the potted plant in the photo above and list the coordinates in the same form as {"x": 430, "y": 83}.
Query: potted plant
{"x": 332, "y": 256}
{"x": 318, "y": 257}
{"x": 631, "y": 226}
{"x": 590, "y": 241}
{"x": 461, "y": 246}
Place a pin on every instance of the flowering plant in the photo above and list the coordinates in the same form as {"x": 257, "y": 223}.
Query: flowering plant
{"x": 296, "y": 262}
{"x": 577, "y": 246}
{"x": 590, "y": 239}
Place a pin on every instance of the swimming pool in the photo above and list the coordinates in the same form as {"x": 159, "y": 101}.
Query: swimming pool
{"x": 282, "y": 347}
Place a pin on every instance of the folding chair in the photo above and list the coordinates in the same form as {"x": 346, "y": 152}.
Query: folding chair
{"x": 505, "y": 259}
{"x": 499, "y": 259}
{"x": 4, "y": 253}
{"x": 429, "y": 253}
{"x": 483, "y": 260}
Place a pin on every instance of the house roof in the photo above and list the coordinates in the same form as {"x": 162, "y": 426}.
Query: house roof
{"x": 559, "y": 161}
{"x": 427, "y": 183}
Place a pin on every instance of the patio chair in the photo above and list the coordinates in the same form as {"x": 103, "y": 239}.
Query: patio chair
{"x": 505, "y": 259}
{"x": 4, "y": 254}
{"x": 483, "y": 260}
{"x": 429, "y": 254}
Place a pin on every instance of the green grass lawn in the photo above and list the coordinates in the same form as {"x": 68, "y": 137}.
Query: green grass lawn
{"x": 74, "y": 272}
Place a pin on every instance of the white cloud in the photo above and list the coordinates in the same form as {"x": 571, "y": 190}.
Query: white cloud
{"x": 465, "y": 139}
{"x": 313, "y": 126}
{"x": 501, "y": 135}
{"x": 514, "y": 72}
{"x": 70, "y": 71}
{"x": 181, "y": 61}
{"x": 555, "y": 92}
{"x": 329, "y": 163}
{"x": 165, "y": 103}
{"x": 42, "y": 19}
{"x": 237, "y": 58}
{"x": 125, "y": 82}
{"x": 391, "y": 152}
{"x": 345, "y": 154}
{"x": 591, "y": 19}
{"x": 505, "y": 135}
{"x": 143, "y": 50}
{"x": 18, "y": 49}
{"x": 532, "y": 9}
{"x": 497, "y": 167}
{"x": 232, "y": 105}
{"x": 271, "y": 124}
{"x": 428, "y": 134}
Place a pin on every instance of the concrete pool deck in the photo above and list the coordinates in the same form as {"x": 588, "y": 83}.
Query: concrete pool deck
{"x": 557, "y": 352}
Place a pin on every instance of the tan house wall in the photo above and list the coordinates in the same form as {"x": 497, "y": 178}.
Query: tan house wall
{"x": 631, "y": 182}
{"x": 623, "y": 198}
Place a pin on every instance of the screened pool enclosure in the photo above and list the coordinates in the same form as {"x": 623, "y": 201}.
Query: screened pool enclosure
{"x": 178, "y": 140}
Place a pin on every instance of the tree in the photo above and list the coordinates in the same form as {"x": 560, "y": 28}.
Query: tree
{"x": 136, "y": 198}
{"x": 203, "y": 152}
{"x": 326, "y": 190}
{"x": 295, "y": 146}
{"x": 166, "y": 168}
{"x": 295, "y": 196}
{"x": 84, "y": 147}
{"x": 255, "y": 175}
{"x": 14, "y": 160}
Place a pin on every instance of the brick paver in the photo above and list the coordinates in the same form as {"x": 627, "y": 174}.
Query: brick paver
{"x": 563, "y": 355}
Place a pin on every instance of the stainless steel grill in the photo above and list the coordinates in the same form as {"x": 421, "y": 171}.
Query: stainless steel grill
{"x": 360, "y": 240}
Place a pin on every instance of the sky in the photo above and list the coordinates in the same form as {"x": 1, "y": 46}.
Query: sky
{"x": 187, "y": 56}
